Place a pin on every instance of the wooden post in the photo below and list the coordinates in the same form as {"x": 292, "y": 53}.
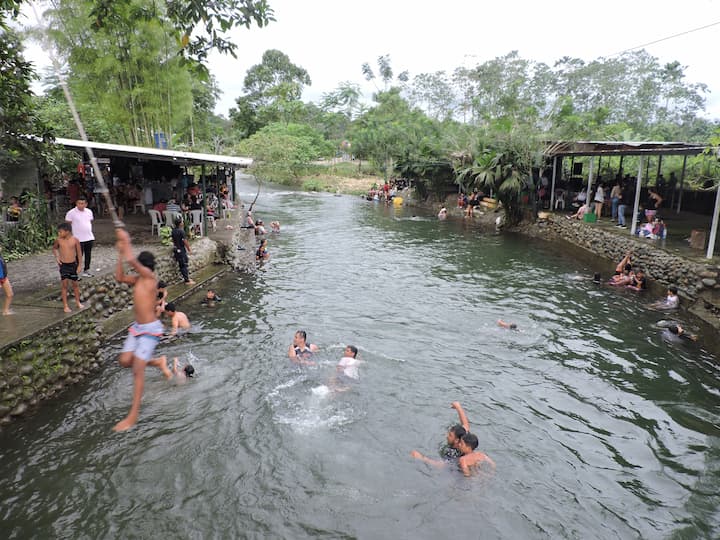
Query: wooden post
{"x": 682, "y": 183}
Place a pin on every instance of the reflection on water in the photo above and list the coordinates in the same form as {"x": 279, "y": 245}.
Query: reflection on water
{"x": 599, "y": 427}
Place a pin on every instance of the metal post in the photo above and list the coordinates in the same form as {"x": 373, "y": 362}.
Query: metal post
{"x": 714, "y": 226}
{"x": 552, "y": 189}
{"x": 204, "y": 200}
{"x": 657, "y": 174}
{"x": 638, "y": 187}
{"x": 590, "y": 179}
{"x": 682, "y": 182}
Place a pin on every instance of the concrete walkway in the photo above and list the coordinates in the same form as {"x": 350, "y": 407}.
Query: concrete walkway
{"x": 36, "y": 282}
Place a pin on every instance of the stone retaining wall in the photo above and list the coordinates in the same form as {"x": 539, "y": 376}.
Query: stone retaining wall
{"x": 697, "y": 283}
{"x": 41, "y": 365}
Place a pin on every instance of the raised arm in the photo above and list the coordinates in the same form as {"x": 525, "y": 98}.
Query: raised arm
{"x": 461, "y": 415}
{"x": 291, "y": 352}
{"x": 126, "y": 249}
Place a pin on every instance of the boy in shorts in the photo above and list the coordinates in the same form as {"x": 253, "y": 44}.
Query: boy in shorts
{"x": 68, "y": 255}
{"x": 5, "y": 284}
{"x": 146, "y": 331}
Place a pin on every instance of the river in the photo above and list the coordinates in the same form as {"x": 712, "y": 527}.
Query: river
{"x": 598, "y": 426}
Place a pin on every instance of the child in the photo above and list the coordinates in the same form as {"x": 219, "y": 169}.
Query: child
{"x": 161, "y": 298}
{"x": 275, "y": 226}
{"x": 68, "y": 255}
{"x": 638, "y": 282}
{"x": 5, "y": 282}
{"x": 471, "y": 460}
{"x": 182, "y": 375}
{"x": 262, "y": 254}
{"x": 454, "y": 434}
{"x": 145, "y": 332}
{"x": 211, "y": 298}
{"x": 508, "y": 325}
{"x": 178, "y": 319}
{"x": 680, "y": 332}
{"x": 671, "y": 301}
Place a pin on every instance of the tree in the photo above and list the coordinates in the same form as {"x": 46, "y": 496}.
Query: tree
{"x": 272, "y": 91}
{"x": 198, "y": 26}
{"x": 283, "y": 152}
{"x": 21, "y": 131}
{"x": 385, "y": 71}
{"x": 392, "y": 130}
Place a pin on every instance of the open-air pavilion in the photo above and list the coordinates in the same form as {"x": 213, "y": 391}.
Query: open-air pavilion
{"x": 177, "y": 158}
{"x": 558, "y": 150}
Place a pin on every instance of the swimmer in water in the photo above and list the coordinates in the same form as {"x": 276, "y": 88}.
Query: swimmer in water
{"x": 301, "y": 352}
{"x": 211, "y": 298}
{"x": 670, "y": 302}
{"x": 508, "y": 325}
{"x": 680, "y": 332}
{"x": 451, "y": 450}
{"x": 470, "y": 459}
{"x": 182, "y": 375}
{"x": 347, "y": 370}
{"x": 178, "y": 319}
{"x": 442, "y": 214}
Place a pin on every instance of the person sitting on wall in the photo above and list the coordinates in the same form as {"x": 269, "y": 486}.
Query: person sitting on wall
{"x": 14, "y": 211}
{"x": 580, "y": 214}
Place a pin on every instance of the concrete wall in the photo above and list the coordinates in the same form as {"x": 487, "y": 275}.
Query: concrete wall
{"x": 43, "y": 364}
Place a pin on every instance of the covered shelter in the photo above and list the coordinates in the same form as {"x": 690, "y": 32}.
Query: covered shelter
{"x": 140, "y": 155}
{"x": 556, "y": 150}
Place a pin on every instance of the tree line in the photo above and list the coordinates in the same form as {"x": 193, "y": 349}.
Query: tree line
{"x": 139, "y": 67}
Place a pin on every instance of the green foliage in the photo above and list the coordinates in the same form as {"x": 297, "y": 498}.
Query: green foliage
{"x": 166, "y": 235}
{"x": 282, "y": 153}
{"x": 18, "y": 119}
{"x": 313, "y": 184}
{"x": 272, "y": 91}
{"x": 32, "y": 233}
{"x": 197, "y": 27}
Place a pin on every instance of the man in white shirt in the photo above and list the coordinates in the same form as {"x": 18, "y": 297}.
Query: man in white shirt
{"x": 347, "y": 368}
{"x": 80, "y": 219}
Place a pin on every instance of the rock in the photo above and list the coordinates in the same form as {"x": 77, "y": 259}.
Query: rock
{"x": 19, "y": 410}
{"x": 709, "y": 282}
{"x": 26, "y": 369}
{"x": 708, "y": 274}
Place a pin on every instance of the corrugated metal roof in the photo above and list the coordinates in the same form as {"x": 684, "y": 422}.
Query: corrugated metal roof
{"x": 622, "y": 148}
{"x": 141, "y": 152}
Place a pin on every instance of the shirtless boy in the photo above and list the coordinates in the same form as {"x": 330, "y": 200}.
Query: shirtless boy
{"x": 471, "y": 459}
{"x": 178, "y": 319}
{"x": 300, "y": 351}
{"x": 145, "y": 332}
{"x": 68, "y": 255}
{"x": 453, "y": 437}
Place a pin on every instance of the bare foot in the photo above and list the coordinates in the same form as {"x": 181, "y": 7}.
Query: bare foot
{"x": 124, "y": 425}
{"x": 190, "y": 282}
{"x": 67, "y": 309}
{"x": 79, "y": 305}
{"x": 9, "y": 312}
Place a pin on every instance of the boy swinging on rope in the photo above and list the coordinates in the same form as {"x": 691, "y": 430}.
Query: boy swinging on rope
{"x": 146, "y": 331}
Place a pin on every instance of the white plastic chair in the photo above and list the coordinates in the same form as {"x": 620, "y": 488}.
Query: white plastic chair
{"x": 560, "y": 200}
{"x": 170, "y": 216}
{"x": 196, "y": 222}
{"x": 156, "y": 221}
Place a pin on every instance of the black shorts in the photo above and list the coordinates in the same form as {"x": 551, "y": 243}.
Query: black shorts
{"x": 68, "y": 271}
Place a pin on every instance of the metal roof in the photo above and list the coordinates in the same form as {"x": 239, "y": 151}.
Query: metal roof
{"x": 141, "y": 152}
{"x": 622, "y": 148}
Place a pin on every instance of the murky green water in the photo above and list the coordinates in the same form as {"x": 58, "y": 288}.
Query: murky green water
{"x": 599, "y": 428}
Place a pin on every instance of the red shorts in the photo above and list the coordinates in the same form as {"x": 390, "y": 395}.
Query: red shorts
{"x": 2, "y": 280}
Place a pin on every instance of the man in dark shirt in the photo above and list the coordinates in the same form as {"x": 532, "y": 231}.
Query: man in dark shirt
{"x": 181, "y": 248}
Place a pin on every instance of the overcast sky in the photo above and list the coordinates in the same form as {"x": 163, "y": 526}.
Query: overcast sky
{"x": 331, "y": 39}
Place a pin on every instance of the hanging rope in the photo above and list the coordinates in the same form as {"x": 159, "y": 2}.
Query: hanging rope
{"x": 78, "y": 123}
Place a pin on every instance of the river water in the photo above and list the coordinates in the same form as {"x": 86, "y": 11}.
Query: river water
{"x": 598, "y": 426}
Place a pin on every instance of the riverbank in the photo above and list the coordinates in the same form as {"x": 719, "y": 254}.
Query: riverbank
{"x": 44, "y": 350}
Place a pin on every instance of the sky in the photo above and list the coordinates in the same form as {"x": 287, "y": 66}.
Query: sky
{"x": 332, "y": 39}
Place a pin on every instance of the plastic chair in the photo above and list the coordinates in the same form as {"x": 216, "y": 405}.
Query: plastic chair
{"x": 560, "y": 200}
{"x": 170, "y": 216}
{"x": 156, "y": 221}
{"x": 140, "y": 205}
{"x": 196, "y": 222}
